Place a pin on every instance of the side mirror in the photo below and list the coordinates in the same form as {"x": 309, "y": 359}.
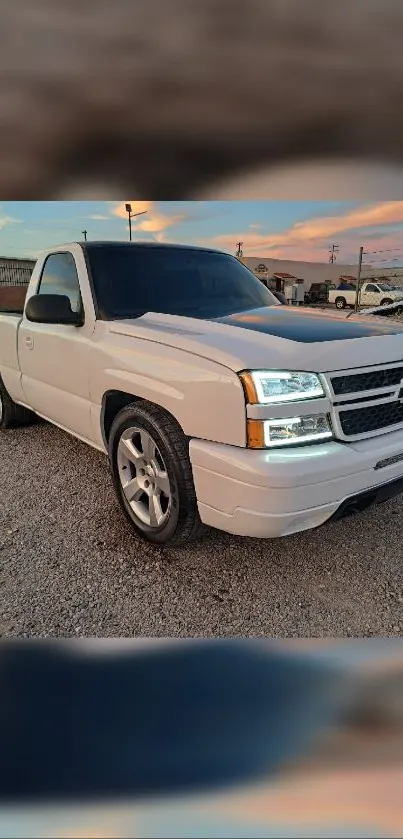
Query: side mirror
{"x": 52, "y": 308}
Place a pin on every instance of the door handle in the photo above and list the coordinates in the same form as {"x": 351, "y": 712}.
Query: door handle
{"x": 29, "y": 342}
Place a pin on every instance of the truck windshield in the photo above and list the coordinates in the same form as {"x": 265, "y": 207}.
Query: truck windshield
{"x": 130, "y": 280}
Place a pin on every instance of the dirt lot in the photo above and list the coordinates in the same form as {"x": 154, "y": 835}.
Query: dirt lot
{"x": 70, "y": 564}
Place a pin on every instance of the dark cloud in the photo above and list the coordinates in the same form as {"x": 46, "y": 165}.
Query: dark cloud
{"x": 161, "y": 99}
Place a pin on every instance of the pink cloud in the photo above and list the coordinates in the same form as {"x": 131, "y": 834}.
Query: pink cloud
{"x": 152, "y": 222}
{"x": 309, "y": 239}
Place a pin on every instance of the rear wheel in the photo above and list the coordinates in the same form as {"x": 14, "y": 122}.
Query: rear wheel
{"x": 11, "y": 414}
{"x": 340, "y": 302}
{"x": 152, "y": 475}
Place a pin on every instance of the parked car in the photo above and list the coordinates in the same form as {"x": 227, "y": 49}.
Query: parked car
{"x": 371, "y": 294}
{"x": 214, "y": 404}
{"x": 280, "y": 297}
{"x": 277, "y": 294}
{"x": 318, "y": 293}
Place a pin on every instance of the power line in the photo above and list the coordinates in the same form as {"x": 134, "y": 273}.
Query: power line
{"x": 384, "y": 250}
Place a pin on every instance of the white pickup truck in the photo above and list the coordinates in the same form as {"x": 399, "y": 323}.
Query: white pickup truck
{"x": 371, "y": 294}
{"x": 215, "y": 404}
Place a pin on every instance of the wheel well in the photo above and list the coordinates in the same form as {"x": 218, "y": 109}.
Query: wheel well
{"x": 112, "y": 403}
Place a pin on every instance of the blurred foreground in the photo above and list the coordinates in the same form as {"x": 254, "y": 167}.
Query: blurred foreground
{"x": 224, "y": 92}
{"x": 202, "y": 738}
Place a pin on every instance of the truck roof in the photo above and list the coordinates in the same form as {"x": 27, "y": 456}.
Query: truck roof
{"x": 167, "y": 245}
{"x": 105, "y": 243}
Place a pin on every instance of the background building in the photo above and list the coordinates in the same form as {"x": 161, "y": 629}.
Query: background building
{"x": 285, "y": 271}
{"x": 280, "y": 272}
{"x": 15, "y": 271}
{"x": 15, "y": 275}
{"x": 394, "y": 276}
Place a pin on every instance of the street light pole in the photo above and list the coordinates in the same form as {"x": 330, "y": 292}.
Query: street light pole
{"x": 132, "y": 215}
{"x": 357, "y": 290}
{"x": 84, "y": 232}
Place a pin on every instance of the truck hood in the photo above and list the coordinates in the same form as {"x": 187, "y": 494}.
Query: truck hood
{"x": 275, "y": 337}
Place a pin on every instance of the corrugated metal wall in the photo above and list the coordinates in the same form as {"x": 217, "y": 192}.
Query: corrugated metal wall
{"x": 14, "y": 272}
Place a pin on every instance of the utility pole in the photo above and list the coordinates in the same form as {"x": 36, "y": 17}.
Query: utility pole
{"x": 84, "y": 232}
{"x": 132, "y": 215}
{"x": 239, "y": 252}
{"x": 357, "y": 291}
{"x": 333, "y": 253}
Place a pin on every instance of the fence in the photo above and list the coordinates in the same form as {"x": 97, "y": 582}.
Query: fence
{"x": 15, "y": 275}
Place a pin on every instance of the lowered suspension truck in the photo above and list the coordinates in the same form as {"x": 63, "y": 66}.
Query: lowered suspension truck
{"x": 215, "y": 404}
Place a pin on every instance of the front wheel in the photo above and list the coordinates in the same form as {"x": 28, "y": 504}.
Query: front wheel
{"x": 340, "y": 303}
{"x": 386, "y": 302}
{"x": 152, "y": 475}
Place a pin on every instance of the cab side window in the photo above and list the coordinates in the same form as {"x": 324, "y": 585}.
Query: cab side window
{"x": 59, "y": 276}
{"x": 371, "y": 287}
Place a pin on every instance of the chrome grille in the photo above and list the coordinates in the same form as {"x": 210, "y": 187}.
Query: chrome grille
{"x": 362, "y": 420}
{"x": 366, "y": 402}
{"x": 367, "y": 381}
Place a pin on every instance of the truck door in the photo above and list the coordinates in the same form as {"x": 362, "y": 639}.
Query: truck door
{"x": 369, "y": 295}
{"x": 54, "y": 359}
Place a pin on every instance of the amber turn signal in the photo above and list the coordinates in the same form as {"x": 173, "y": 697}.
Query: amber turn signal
{"x": 249, "y": 388}
{"x": 255, "y": 434}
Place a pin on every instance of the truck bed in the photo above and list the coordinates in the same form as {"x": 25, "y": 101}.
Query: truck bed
{"x": 12, "y": 298}
{"x": 9, "y": 323}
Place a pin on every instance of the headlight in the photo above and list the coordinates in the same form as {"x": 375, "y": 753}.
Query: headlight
{"x": 266, "y": 387}
{"x": 290, "y": 431}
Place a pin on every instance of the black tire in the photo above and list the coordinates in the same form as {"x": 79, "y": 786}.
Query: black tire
{"x": 183, "y": 524}
{"x": 11, "y": 414}
{"x": 340, "y": 302}
{"x": 386, "y": 301}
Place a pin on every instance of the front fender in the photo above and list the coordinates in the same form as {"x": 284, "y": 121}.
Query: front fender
{"x": 206, "y": 399}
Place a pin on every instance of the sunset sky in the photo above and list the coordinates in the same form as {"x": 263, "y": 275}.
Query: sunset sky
{"x": 279, "y": 229}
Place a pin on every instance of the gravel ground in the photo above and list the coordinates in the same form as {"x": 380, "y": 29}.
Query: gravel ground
{"x": 71, "y": 565}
